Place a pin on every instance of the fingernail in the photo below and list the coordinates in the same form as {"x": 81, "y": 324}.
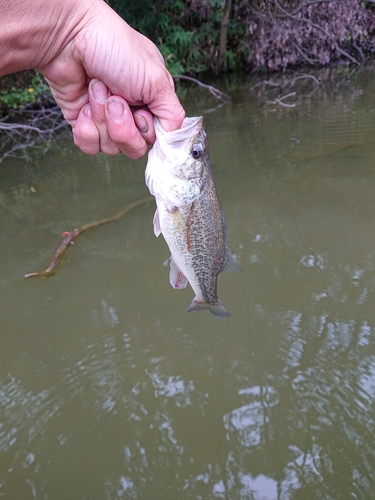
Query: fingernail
{"x": 115, "y": 109}
{"x": 87, "y": 110}
{"x": 141, "y": 122}
{"x": 99, "y": 91}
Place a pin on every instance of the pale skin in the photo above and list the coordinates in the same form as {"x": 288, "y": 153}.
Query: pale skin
{"x": 108, "y": 79}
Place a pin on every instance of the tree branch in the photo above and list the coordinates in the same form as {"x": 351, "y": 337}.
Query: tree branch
{"x": 34, "y": 127}
{"x": 280, "y": 100}
{"x": 214, "y": 91}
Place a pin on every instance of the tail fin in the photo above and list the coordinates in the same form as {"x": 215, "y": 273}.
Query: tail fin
{"x": 218, "y": 309}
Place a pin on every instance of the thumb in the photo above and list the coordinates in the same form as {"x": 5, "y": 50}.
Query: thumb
{"x": 167, "y": 107}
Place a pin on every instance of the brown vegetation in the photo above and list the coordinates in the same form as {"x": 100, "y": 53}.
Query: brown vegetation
{"x": 285, "y": 33}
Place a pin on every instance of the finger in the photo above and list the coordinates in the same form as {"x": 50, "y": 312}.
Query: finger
{"x": 144, "y": 122}
{"x": 68, "y": 82}
{"x": 85, "y": 132}
{"x": 98, "y": 94}
{"x": 167, "y": 107}
{"x": 122, "y": 129}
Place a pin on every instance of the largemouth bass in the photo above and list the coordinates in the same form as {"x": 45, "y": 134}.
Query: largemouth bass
{"x": 188, "y": 213}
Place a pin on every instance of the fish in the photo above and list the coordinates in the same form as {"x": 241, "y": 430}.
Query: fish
{"x": 189, "y": 213}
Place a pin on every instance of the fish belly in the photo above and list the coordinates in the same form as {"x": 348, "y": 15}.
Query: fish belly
{"x": 196, "y": 239}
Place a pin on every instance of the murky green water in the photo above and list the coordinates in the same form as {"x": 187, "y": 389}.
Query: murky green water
{"x": 110, "y": 390}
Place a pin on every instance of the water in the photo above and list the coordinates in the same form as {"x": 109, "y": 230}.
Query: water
{"x": 109, "y": 389}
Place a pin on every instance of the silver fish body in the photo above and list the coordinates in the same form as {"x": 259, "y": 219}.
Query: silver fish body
{"x": 189, "y": 213}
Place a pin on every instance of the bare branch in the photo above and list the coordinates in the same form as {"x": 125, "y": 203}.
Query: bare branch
{"x": 306, "y": 4}
{"x": 286, "y": 82}
{"x": 266, "y": 82}
{"x": 280, "y": 100}
{"x": 306, "y": 76}
{"x": 214, "y": 91}
{"x": 303, "y": 54}
{"x": 70, "y": 236}
{"x": 23, "y": 129}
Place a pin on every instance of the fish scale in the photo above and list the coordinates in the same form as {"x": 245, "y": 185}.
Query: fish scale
{"x": 189, "y": 213}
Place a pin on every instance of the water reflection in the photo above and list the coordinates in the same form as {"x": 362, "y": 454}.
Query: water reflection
{"x": 308, "y": 428}
{"x": 109, "y": 389}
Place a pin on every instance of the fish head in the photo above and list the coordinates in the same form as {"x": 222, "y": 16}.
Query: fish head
{"x": 175, "y": 167}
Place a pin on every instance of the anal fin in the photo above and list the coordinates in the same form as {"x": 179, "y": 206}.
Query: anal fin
{"x": 230, "y": 263}
{"x": 176, "y": 277}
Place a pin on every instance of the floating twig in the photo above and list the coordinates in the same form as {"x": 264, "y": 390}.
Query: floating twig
{"x": 69, "y": 237}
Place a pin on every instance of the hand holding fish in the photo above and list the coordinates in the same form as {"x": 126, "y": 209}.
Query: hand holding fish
{"x": 108, "y": 79}
{"x": 189, "y": 213}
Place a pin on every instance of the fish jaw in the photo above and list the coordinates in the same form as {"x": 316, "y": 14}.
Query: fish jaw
{"x": 189, "y": 128}
{"x": 172, "y": 175}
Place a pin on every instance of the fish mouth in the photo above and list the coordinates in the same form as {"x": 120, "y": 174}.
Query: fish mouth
{"x": 190, "y": 127}
{"x": 191, "y": 122}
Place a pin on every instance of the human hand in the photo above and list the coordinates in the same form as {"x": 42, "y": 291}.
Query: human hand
{"x": 109, "y": 80}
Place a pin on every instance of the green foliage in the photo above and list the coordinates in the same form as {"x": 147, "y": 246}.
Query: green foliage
{"x": 185, "y": 31}
{"x": 17, "y": 96}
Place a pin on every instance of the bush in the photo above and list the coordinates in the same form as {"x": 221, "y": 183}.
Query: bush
{"x": 22, "y": 89}
{"x": 284, "y": 33}
{"x": 186, "y": 32}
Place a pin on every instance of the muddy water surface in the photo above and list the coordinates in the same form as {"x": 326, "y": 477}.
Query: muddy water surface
{"x": 109, "y": 389}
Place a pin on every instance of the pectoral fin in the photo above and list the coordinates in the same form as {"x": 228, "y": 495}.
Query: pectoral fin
{"x": 176, "y": 278}
{"x": 230, "y": 263}
{"x": 156, "y": 221}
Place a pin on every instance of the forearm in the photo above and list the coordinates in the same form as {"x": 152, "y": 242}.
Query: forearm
{"x": 34, "y": 31}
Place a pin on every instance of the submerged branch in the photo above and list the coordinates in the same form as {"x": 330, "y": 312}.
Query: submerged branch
{"x": 280, "y": 100}
{"x": 270, "y": 87}
{"x": 286, "y": 82}
{"x": 306, "y": 76}
{"x": 69, "y": 237}
{"x": 214, "y": 91}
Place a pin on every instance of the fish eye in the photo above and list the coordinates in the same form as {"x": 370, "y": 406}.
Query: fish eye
{"x": 197, "y": 151}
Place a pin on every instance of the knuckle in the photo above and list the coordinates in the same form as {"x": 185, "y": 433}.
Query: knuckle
{"x": 86, "y": 138}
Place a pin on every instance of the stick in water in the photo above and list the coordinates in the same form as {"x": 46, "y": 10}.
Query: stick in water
{"x": 72, "y": 235}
